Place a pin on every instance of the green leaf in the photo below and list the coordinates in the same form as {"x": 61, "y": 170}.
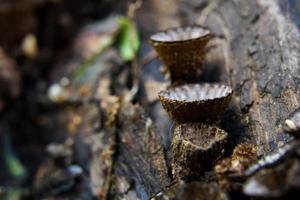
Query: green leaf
{"x": 128, "y": 39}
{"x": 14, "y": 166}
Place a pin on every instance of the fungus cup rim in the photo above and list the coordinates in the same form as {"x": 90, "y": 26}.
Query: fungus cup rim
{"x": 164, "y": 94}
{"x": 206, "y": 35}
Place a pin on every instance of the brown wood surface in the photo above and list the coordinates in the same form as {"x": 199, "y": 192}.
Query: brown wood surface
{"x": 256, "y": 50}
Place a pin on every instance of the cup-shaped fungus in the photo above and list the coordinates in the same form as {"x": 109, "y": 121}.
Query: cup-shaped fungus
{"x": 196, "y": 102}
{"x": 195, "y": 148}
{"x": 182, "y": 50}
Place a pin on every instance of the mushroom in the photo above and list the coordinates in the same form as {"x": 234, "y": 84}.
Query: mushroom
{"x": 196, "y": 102}
{"x": 195, "y": 148}
{"x": 197, "y": 142}
{"x": 182, "y": 50}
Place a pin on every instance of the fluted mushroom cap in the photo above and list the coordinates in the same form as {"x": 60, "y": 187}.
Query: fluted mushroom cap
{"x": 182, "y": 50}
{"x": 196, "y": 102}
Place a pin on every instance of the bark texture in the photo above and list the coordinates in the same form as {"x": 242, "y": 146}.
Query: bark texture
{"x": 260, "y": 49}
{"x": 256, "y": 50}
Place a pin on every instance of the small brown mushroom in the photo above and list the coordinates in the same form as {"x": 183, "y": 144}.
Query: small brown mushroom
{"x": 182, "y": 50}
{"x": 196, "y": 102}
{"x": 195, "y": 148}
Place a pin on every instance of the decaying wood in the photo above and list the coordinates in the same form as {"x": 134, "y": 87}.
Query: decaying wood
{"x": 281, "y": 181}
{"x": 260, "y": 52}
{"x": 256, "y": 50}
{"x": 140, "y": 159}
{"x": 193, "y": 191}
{"x": 257, "y": 53}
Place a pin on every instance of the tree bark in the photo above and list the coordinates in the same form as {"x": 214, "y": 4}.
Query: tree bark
{"x": 259, "y": 48}
{"x": 256, "y": 50}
